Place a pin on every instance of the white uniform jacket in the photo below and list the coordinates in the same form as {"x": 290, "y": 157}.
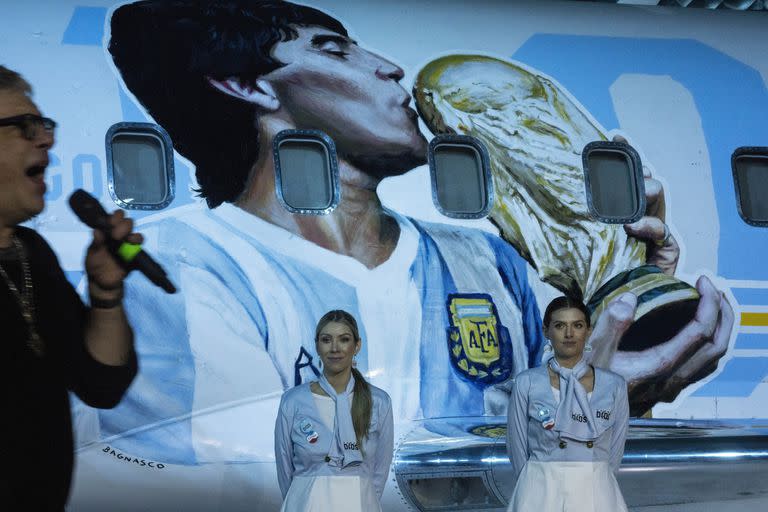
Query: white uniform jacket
{"x": 302, "y": 442}
{"x": 532, "y": 403}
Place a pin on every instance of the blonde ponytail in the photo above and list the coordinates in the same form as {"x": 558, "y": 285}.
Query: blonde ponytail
{"x": 362, "y": 403}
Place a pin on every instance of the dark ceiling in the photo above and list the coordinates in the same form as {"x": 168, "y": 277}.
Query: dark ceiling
{"x": 739, "y": 5}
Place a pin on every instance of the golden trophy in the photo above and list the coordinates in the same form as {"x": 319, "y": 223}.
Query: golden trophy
{"x": 535, "y": 131}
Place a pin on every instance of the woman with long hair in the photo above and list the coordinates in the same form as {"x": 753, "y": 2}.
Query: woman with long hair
{"x": 334, "y": 436}
{"x": 567, "y": 423}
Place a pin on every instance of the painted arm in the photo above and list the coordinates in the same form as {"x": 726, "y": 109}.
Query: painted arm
{"x": 384, "y": 450}
{"x": 660, "y": 373}
{"x": 517, "y": 426}
{"x": 283, "y": 449}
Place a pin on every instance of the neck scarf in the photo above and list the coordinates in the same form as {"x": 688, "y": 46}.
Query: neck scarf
{"x": 575, "y": 417}
{"x": 344, "y": 450}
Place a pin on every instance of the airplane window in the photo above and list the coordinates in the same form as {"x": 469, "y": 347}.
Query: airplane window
{"x": 750, "y": 177}
{"x": 140, "y": 166}
{"x": 461, "y": 179}
{"x": 306, "y": 171}
{"x": 613, "y": 175}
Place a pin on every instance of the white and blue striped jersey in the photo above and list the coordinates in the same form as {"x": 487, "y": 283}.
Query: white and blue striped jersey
{"x": 448, "y": 315}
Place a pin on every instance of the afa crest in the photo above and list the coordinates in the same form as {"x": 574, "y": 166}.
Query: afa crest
{"x": 479, "y": 345}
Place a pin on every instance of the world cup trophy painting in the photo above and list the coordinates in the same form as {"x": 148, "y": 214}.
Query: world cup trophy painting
{"x": 535, "y": 132}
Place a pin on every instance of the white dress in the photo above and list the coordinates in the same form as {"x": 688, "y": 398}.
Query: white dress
{"x": 567, "y": 486}
{"x": 324, "y": 494}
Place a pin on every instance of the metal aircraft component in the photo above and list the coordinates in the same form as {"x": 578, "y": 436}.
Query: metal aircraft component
{"x": 461, "y": 463}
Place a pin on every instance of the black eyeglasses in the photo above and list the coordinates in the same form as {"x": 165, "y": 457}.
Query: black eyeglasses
{"x": 29, "y": 124}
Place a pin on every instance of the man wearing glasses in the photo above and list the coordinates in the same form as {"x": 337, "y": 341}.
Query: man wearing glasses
{"x": 29, "y": 124}
{"x": 51, "y": 342}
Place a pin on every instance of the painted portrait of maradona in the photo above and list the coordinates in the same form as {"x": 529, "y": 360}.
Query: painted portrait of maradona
{"x": 224, "y": 78}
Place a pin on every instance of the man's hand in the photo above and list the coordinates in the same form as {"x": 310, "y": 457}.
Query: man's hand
{"x": 108, "y": 336}
{"x": 105, "y": 274}
{"x": 659, "y": 373}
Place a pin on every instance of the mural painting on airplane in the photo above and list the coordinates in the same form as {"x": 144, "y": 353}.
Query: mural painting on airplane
{"x": 441, "y": 306}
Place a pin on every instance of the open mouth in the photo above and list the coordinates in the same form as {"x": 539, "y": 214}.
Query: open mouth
{"x": 36, "y": 175}
{"x": 35, "y": 171}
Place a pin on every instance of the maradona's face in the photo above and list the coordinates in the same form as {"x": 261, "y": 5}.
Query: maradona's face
{"x": 331, "y": 84}
{"x": 568, "y": 331}
{"x": 336, "y": 345}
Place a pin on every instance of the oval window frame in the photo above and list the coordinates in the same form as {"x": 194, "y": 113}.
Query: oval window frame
{"x": 333, "y": 165}
{"x": 637, "y": 178}
{"x": 742, "y": 151}
{"x": 146, "y": 129}
{"x": 485, "y": 166}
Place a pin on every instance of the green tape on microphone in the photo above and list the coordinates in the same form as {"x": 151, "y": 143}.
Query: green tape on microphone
{"x": 128, "y": 251}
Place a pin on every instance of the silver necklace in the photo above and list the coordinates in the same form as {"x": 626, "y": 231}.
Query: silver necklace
{"x": 25, "y": 298}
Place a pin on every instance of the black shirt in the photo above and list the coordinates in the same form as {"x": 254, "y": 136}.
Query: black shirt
{"x": 36, "y": 428}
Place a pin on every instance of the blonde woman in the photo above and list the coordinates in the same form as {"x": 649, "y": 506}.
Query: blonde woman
{"x": 334, "y": 436}
{"x": 567, "y": 424}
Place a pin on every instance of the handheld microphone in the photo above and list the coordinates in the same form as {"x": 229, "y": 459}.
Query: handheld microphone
{"x": 89, "y": 210}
